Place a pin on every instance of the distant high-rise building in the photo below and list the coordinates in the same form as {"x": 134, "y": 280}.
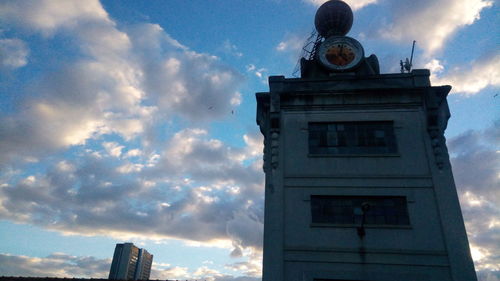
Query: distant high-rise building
{"x": 143, "y": 268}
{"x": 130, "y": 263}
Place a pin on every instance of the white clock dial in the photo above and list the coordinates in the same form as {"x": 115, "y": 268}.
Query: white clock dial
{"x": 340, "y": 53}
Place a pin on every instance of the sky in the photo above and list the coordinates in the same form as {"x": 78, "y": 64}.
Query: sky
{"x": 134, "y": 121}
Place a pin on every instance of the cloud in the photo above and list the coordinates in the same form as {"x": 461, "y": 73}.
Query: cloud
{"x": 258, "y": 72}
{"x": 245, "y": 229}
{"x": 100, "y": 130}
{"x": 488, "y": 275}
{"x": 476, "y": 168}
{"x": 231, "y": 49}
{"x": 64, "y": 265}
{"x": 54, "y": 265}
{"x": 197, "y": 188}
{"x": 113, "y": 148}
{"x": 291, "y": 42}
{"x": 204, "y": 272}
{"x": 115, "y": 81}
{"x": 194, "y": 85}
{"x": 47, "y": 16}
{"x": 354, "y": 4}
{"x": 428, "y": 23}
{"x": 13, "y": 53}
{"x": 470, "y": 79}
{"x": 251, "y": 267}
{"x": 201, "y": 273}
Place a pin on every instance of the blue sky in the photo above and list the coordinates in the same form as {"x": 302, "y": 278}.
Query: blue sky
{"x": 135, "y": 121}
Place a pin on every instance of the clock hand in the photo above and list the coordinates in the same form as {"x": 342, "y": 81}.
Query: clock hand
{"x": 341, "y": 53}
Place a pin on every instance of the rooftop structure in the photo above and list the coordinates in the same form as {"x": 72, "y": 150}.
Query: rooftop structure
{"x": 358, "y": 180}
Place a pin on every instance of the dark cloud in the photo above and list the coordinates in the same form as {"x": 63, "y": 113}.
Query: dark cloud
{"x": 488, "y": 276}
{"x": 476, "y": 168}
{"x": 200, "y": 189}
{"x": 55, "y": 265}
{"x": 476, "y": 161}
{"x": 63, "y": 265}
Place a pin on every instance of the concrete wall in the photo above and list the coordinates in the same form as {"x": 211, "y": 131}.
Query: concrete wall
{"x": 432, "y": 247}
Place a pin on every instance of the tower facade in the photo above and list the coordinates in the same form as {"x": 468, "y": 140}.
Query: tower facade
{"x": 130, "y": 263}
{"x": 358, "y": 179}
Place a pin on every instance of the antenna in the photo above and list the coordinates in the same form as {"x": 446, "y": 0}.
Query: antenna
{"x": 308, "y": 51}
{"x": 407, "y": 64}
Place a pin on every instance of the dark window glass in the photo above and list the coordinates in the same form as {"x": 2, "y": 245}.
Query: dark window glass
{"x": 348, "y": 210}
{"x": 352, "y": 138}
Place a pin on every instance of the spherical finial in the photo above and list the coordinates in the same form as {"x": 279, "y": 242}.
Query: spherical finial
{"x": 334, "y": 17}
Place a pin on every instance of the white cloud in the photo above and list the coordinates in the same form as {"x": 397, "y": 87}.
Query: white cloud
{"x": 201, "y": 273}
{"x": 291, "y": 42}
{"x": 231, "y": 49}
{"x": 252, "y": 267}
{"x": 206, "y": 271}
{"x": 236, "y": 99}
{"x": 260, "y": 73}
{"x": 75, "y": 100}
{"x": 354, "y": 4}
{"x": 133, "y": 152}
{"x": 194, "y": 85}
{"x": 130, "y": 168}
{"x": 174, "y": 272}
{"x": 65, "y": 166}
{"x": 124, "y": 81}
{"x": 113, "y": 148}
{"x": 470, "y": 79}
{"x": 13, "y": 53}
{"x": 428, "y": 23}
{"x": 47, "y": 16}
{"x": 255, "y": 144}
{"x": 435, "y": 67}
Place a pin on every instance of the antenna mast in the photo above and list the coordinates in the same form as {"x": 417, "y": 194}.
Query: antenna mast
{"x": 407, "y": 64}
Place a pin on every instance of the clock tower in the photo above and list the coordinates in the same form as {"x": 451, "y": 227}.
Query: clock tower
{"x": 358, "y": 179}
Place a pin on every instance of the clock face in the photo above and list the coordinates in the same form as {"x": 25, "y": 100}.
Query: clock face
{"x": 340, "y": 53}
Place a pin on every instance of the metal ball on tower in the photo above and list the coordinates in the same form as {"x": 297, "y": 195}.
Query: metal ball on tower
{"x": 333, "y": 18}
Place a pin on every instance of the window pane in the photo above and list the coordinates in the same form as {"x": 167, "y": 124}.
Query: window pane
{"x": 373, "y": 137}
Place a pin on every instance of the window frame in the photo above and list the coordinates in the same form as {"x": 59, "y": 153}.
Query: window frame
{"x": 356, "y": 222}
{"x": 355, "y": 132}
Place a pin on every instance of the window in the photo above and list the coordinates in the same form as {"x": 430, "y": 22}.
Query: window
{"x": 382, "y": 210}
{"x": 333, "y": 280}
{"x": 372, "y": 137}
